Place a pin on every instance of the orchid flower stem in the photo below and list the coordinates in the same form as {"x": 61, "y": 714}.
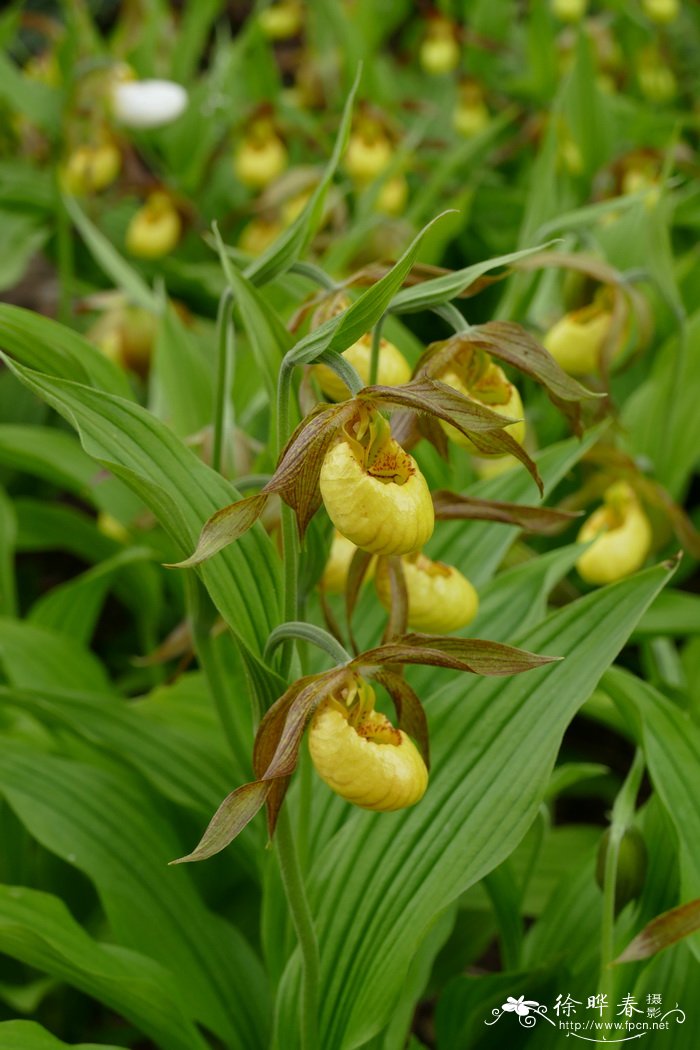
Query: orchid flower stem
{"x": 450, "y": 313}
{"x": 64, "y": 244}
{"x": 314, "y": 273}
{"x": 622, "y": 814}
{"x": 307, "y": 632}
{"x": 287, "y": 855}
{"x": 226, "y": 350}
{"x": 376, "y": 346}
{"x": 303, "y": 924}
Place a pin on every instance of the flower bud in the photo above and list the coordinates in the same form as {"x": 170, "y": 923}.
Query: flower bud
{"x": 661, "y": 11}
{"x": 155, "y": 229}
{"x": 335, "y": 574}
{"x": 575, "y": 341}
{"x": 621, "y": 536}
{"x": 631, "y": 865}
{"x": 393, "y": 368}
{"x": 145, "y": 104}
{"x": 440, "y": 599}
{"x": 439, "y": 51}
{"x": 376, "y": 496}
{"x": 260, "y": 158}
{"x": 472, "y": 372}
{"x": 280, "y": 21}
{"x": 362, "y": 757}
{"x": 90, "y": 169}
{"x": 569, "y": 10}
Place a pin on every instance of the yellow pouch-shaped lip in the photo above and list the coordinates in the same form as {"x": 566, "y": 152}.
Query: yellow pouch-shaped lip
{"x": 502, "y": 397}
{"x": 621, "y": 535}
{"x": 576, "y": 340}
{"x": 371, "y": 763}
{"x": 155, "y": 229}
{"x": 440, "y": 598}
{"x": 335, "y": 574}
{"x": 384, "y": 510}
{"x": 393, "y": 368}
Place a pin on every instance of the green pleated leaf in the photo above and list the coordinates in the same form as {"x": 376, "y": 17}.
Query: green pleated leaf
{"x": 179, "y": 489}
{"x": 73, "y": 608}
{"x": 26, "y": 1035}
{"x": 383, "y": 879}
{"x": 450, "y": 285}
{"x": 36, "y": 657}
{"x": 48, "y": 346}
{"x": 104, "y": 822}
{"x": 110, "y": 261}
{"x": 8, "y": 540}
{"x": 266, "y": 332}
{"x": 671, "y": 743}
{"x": 38, "y": 929}
{"x": 182, "y": 756}
{"x": 340, "y": 332}
{"x": 180, "y": 381}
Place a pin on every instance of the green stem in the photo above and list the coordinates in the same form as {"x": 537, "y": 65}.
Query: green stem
{"x": 450, "y": 313}
{"x": 314, "y": 273}
{"x": 202, "y": 616}
{"x": 286, "y": 849}
{"x": 376, "y": 346}
{"x": 622, "y": 815}
{"x": 64, "y": 250}
{"x": 226, "y": 349}
{"x": 303, "y": 924}
{"x": 307, "y": 632}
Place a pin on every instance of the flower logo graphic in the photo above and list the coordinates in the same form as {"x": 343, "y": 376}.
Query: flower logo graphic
{"x": 521, "y": 1006}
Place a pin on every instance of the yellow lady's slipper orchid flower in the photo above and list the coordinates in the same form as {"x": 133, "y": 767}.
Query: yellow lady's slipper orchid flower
{"x": 155, "y": 229}
{"x": 471, "y": 114}
{"x": 126, "y": 335}
{"x": 392, "y": 197}
{"x": 90, "y": 169}
{"x": 393, "y": 368}
{"x": 280, "y": 21}
{"x": 661, "y": 11}
{"x": 375, "y": 494}
{"x": 335, "y": 574}
{"x": 621, "y": 536}
{"x": 362, "y": 756}
{"x": 569, "y": 10}
{"x": 259, "y": 234}
{"x": 261, "y": 157}
{"x": 472, "y": 372}
{"x": 576, "y": 339}
{"x": 369, "y": 152}
{"x": 657, "y": 81}
{"x": 440, "y": 598}
{"x": 439, "y": 51}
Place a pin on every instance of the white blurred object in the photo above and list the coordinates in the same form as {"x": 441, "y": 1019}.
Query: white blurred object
{"x": 148, "y": 103}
